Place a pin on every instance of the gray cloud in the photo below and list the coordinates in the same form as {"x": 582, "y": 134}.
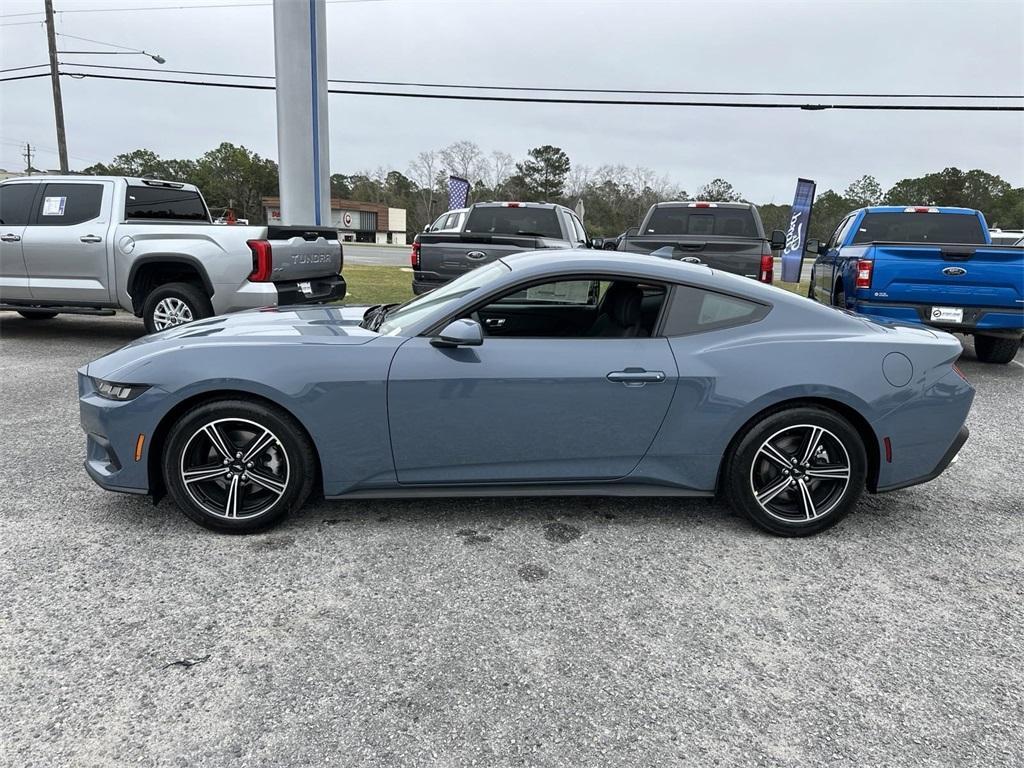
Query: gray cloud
{"x": 945, "y": 47}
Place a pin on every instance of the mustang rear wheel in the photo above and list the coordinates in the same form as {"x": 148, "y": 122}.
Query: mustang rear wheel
{"x": 236, "y": 466}
{"x": 797, "y": 471}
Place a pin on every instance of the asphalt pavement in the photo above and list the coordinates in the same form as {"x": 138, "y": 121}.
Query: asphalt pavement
{"x": 506, "y": 632}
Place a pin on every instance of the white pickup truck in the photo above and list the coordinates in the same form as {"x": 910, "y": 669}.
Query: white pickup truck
{"x": 92, "y": 244}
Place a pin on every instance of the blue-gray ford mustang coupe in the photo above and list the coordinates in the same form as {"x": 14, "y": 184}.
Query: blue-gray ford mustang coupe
{"x": 582, "y": 373}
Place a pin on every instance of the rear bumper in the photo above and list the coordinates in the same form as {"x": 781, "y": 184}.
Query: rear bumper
{"x": 256, "y": 295}
{"x": 948, "y": 458}
{"x": 995, "y": 320}
{"x": 424, "y": 282}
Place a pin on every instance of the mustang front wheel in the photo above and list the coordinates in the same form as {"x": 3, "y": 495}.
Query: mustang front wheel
{"x": 797, "y": 471}
{"x": 236, "y": 466}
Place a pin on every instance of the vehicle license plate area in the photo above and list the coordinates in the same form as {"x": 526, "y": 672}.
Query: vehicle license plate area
{"x": 947, "y": 314}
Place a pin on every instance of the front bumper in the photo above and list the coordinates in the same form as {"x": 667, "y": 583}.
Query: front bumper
{"x": 112, "y": 430}
{"x": 996, "y": 321}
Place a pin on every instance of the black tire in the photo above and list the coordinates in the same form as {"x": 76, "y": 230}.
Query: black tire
{"x": 995, "y": 349}
{"x": 840, "y": 298}
{"x": 38, "y": 315}
{"x": 783, "y": 506}
{"x": 285, "y": 467}
{"x": 194, "y": 299}
{"x": 810, "y": 288}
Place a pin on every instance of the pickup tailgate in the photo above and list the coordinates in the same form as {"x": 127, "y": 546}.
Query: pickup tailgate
{"x": 954, "y": 275}
{"x": 450, "y": 255}
{"x": 302, "y": 253}
{"x": 741, "y": 256}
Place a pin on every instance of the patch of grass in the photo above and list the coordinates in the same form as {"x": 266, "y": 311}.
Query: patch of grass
{"x": 376, "y": 285}
{"x": 798, "y": 288}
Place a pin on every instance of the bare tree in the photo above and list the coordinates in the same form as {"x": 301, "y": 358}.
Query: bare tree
{"x": 424, "y": 171}
{"x": 576, "y": 183}
{"x": 464, "y": 159}
{"x": 498, "y": 169}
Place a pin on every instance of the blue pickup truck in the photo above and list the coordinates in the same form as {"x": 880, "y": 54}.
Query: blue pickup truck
{"x": 928, "y": 265}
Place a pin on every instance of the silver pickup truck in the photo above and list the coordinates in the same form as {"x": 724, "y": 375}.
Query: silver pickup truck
{"x": 92, "y": 244}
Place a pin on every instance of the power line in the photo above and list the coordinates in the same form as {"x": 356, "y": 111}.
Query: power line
{"x": 171, "y": 8}
{"x": 605, "y": 102}
{"x": 19, "y": 69}
{"x": 641, "y": 92}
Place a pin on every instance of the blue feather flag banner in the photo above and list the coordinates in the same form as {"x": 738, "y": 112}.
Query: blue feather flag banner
{"x": 796, "y": 235}
{"x": 458, "y": 192}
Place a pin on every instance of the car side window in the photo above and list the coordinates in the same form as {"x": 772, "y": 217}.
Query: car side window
{"x": 832, "y": 241}
{"x": 564, "y": 292}
{"x": 695, "y": 310}
{"x": 63, "y": 205}
{"x": 577, "y": 225}
{"x": 16, "y": 204}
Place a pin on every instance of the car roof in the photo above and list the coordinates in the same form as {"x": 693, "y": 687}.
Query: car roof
{"x": 516, "y": 204}
{"x": 903, "y": 208}
{"x": 132, "y": 180}
{"x": 644, "y": 267}
{"x": 688, "y": 203}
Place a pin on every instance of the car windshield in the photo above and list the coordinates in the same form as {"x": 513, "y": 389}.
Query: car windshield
{"x": 518, "y": 220}
{"x": 413, "y": 311}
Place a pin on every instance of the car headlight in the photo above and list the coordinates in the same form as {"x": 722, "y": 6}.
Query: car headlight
{"x": 112, "y": 391}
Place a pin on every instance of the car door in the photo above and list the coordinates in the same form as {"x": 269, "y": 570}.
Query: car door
{"x": 15, "y": 208}
{"x": 65, "y": 245}
{"x": 824, "y": 265}
{"x": 520, "y": 409}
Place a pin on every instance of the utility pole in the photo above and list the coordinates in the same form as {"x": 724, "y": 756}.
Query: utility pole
{"x": 27, "y": 154}
{"x": 58, "y": 103}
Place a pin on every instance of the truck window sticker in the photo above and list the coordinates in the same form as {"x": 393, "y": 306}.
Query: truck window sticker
{"x": 54, "y": 206}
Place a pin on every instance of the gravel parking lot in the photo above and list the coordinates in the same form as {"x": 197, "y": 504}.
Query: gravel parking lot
{"x": 540, "y": 632}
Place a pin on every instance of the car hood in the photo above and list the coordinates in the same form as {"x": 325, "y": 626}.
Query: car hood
{"x": 258, "y": 327}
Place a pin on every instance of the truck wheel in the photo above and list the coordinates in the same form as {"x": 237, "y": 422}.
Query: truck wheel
{"x": 995, "y": 349}
{"x": 174, "y": 304}
{"x": 38, "y": 315}
{"x": 840, "y": 299}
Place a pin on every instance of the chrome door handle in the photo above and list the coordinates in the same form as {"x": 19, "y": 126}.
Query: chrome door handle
{"x": 494, "y": 322}
{"x": 10, "y": 237}
{"x": 636, "y": 377}
{"x": 91, "y": 239}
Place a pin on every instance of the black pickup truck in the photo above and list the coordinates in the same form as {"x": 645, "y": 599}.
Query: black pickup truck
{"x": 725, "y": 236}
{"x": 492, "y": 230}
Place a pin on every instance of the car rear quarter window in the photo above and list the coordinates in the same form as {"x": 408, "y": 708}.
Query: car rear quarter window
{"x": 62, "y": 205}
{"x": 722, "y": 222}
{"x": 16, "y": 204}
{"x": 525, "y": 221}
{"x": 165, "y": 204}
{"x": 900, "y": 227}
{"x": 695, "y": 310}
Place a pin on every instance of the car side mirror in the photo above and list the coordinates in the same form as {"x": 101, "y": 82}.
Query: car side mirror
{"x": 596, "y": 242}
{"x": 778, "y": 240}
{"x": 460, "y": 333}
{"x": 813, "y": 246}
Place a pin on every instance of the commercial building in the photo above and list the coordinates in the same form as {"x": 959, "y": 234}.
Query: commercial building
{"x": 355, "y": 221}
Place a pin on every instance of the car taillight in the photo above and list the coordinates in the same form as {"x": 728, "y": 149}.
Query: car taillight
{"x": 414, "y": 257}
{"x": 920, "y": 209}
{"x": 262, "y": 261}
{"x": 864, "y": 268}
{"x": 767, "y": 264}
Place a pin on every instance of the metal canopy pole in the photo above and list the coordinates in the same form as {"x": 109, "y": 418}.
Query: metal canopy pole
{"x": 300, "y": 63}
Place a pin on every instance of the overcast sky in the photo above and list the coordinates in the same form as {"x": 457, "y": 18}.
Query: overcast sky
{"x": 920, "y": 47}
